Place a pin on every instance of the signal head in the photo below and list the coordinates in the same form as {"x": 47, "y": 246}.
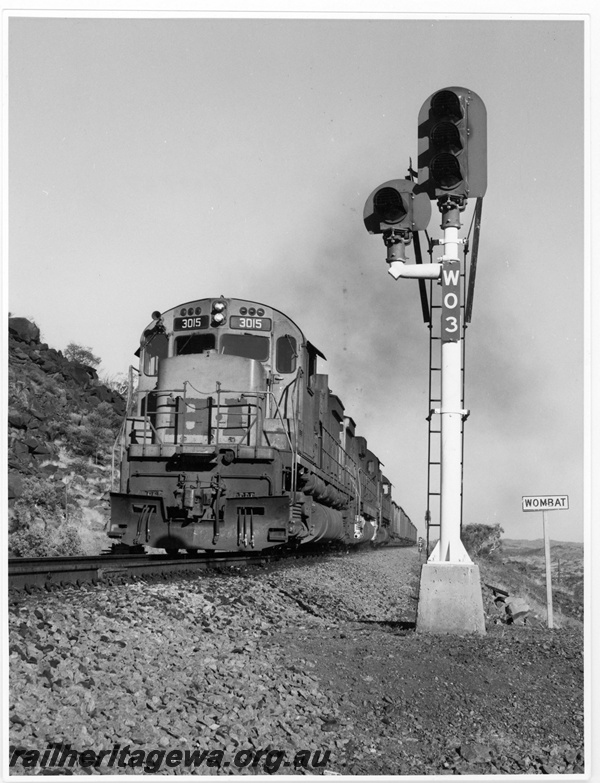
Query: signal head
{"x": 453, "y": 144}
{"x": 394, "y": 204}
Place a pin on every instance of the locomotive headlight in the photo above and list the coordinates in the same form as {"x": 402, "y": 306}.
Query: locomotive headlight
{"x": 218, "y": 313}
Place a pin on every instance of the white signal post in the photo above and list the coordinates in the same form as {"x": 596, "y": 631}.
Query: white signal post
{"x": 449, "y": 548}
{"x": 546, "y": 503}
{"x": 450, "y": 599}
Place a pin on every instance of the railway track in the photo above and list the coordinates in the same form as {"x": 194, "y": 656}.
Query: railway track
{"x": 29, "y": 573}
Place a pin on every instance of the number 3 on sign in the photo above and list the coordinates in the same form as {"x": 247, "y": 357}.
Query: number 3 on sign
{"x": 452, "y": 324}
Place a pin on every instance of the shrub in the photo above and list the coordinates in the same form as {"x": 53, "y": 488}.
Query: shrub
{"x": 33, "y": 540}
{"x": 38, "y": 527}
{"x": 81, "y": 355}
{"x": 482, "y": 540}
{"x": 118, "y": 383}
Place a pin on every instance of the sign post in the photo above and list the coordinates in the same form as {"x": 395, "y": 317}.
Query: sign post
{"x": 546, "y": 503}
{"x": 548, "y": 572}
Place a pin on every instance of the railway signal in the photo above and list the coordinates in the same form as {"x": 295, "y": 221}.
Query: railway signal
{"x": 395, "y": 206}
{"x": 453, "y": 144}
{"x": 395, "y": 210}
{"x": 452, "y": 141}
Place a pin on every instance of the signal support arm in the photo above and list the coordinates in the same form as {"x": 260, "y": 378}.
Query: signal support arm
{"x": 396, "y": 240}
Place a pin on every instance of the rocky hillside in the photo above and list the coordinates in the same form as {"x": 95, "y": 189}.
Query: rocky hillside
{"x": 62, "y": 424}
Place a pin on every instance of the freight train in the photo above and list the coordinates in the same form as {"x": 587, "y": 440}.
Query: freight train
{"x": 233, "y": 441}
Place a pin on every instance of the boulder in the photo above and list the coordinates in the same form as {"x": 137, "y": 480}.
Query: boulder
{"x": 78, "y": 373}
{"x": 15, "y": 486}
{"x": 49, "y": 365}
{"x": 102, "y": 393}
{"x": 517, "y": 609}
{"x": 35, "y": 446}
{"x": 18, "y": 420}
{"x": 18, "y": 353}
{"x": 24, "y": 330}
{"x": 19, "y": 448}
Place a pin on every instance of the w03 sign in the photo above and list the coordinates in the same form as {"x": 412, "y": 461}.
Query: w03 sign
{"x": 450, "y": 301}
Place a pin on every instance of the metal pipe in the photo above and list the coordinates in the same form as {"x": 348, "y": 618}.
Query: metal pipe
{"x": 414, "y": 271}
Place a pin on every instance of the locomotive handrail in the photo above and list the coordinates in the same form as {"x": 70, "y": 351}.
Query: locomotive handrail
{"x": 118, "y": 444}
{"x": 131, "y": 392}
{"x": 254, "y": 420}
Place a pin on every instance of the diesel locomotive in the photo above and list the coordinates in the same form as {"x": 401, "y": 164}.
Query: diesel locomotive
{"x": 233, "y": 441}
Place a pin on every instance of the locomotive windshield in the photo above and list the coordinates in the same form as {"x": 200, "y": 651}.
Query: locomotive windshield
{"x": 249, "y": 346}
{"x": 194, "y": 343}
{"x": 286, "y": 354}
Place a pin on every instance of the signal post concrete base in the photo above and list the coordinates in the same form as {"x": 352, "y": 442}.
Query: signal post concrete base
{"x": 450, "y": 600}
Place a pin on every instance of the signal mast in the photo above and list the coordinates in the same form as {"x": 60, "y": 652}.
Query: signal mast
{"x": 452, "y": 163}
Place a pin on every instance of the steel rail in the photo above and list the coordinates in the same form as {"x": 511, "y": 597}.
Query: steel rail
{"x": 25, "y": 573}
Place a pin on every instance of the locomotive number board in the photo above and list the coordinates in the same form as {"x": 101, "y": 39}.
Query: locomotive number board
{"x": 250, "y": 322}
{"x": 191, "y": 322}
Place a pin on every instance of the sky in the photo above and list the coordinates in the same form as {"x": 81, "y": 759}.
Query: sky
{"x": 155, "y": 159}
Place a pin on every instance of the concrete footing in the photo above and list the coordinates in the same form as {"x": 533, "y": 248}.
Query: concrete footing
{"x": 450, "y": 600}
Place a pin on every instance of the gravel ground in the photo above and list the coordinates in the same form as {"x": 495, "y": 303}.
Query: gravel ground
{"x": 312, "y": 656}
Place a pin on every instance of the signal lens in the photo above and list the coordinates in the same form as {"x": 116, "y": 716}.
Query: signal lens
{"x": 445, "y": 171}
{"x": 218, "y": 318}
{"x": 446, "y": 105}
{"x": 388, "y": 204}
{"x": 445, "y": 136}
{"x": 218, "y": 307}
